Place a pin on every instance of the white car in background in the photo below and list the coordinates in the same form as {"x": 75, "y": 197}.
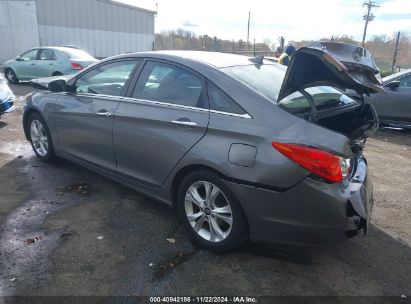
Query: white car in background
{"x": 6, "y": 97}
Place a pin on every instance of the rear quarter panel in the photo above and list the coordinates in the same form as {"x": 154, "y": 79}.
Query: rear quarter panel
{"x": 63, "y": 64}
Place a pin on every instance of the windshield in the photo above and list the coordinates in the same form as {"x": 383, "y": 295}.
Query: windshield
{"x": 268, "y": 78}
{"x": 77, "y": 54}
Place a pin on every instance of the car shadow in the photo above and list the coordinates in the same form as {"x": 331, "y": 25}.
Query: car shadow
{"x": 2, "y": 124}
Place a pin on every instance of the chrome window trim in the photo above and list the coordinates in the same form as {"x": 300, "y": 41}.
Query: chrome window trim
{"x": 246, "y": 115}
{"x": 85, "y": 94}
{"x": 184, "y": 107}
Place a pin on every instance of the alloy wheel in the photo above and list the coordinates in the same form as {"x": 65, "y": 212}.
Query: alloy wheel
{"x": 208, "y": 211}
{"x": 10, "y": 76}
{"x": 39, "y": 137}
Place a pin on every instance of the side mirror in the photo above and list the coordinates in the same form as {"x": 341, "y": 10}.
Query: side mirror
{"x": 18, "y": 58}
{"x": 58, "y": 85}
{"x": 393, "y": 84}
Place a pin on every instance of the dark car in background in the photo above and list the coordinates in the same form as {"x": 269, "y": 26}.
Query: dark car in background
{"x": 394, "y": 106}
{"x": 244, "y": 149}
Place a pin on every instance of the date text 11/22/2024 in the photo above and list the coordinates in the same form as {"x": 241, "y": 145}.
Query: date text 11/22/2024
{"x": 235, "y": 299}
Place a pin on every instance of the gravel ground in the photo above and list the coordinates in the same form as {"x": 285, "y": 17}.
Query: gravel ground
{"x": 110, "y": 240}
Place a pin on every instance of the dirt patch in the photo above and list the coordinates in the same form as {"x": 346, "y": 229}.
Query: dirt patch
{"x": 389, "y": 158}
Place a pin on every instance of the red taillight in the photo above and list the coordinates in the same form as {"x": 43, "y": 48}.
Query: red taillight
{"x": 322, "y": 163}
{"x": 76, "y": 66}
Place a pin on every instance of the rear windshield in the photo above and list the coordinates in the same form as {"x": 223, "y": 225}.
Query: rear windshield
{"x": 267, "y": 79}
{"x": 77, "y": 54}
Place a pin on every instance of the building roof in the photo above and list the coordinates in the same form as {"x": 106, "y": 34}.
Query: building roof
{"x": 114, "y": 2}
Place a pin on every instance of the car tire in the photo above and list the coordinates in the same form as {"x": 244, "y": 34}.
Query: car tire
{"x": 40, "y": 138}
{"x": 212, "y": 229}
{"x": 57, "y": 74}
{"x": 11, "y": 76}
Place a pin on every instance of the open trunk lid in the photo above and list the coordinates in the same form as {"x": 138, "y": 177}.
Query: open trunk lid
{"x": 308, "y": 88}
{"x": 335, "y": 64}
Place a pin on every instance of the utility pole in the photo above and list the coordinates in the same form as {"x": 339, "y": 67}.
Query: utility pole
{"x": 248, "y": 29}
{"x": 394, "y": 60}
{"x": 282, "y": 40}
{"x": 369, "y": 17}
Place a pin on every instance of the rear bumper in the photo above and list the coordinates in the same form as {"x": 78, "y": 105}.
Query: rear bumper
{"x": 311, "y": 213}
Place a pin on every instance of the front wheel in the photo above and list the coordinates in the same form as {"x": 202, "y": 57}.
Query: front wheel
{"x": 40, "y": 138}
{"x": 11, "y": 76}
{"x": 210, "y": 212}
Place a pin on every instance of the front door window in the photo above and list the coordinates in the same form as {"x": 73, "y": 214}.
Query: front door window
{"x": 30, "y": 55}
{"x": 109, "y": 79}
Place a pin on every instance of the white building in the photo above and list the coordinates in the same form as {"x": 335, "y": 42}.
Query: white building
{"x": 101, "y": 27}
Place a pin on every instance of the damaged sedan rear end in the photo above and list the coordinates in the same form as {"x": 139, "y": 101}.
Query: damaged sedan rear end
{"x": 334, "y": 199}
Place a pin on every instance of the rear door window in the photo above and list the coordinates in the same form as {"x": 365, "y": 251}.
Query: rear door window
{"x": 46, "y": 55}
{"x": 169, "y": 83}
{"x": 107, "y": 79}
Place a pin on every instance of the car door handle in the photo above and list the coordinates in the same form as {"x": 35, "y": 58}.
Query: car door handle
{"x": 103, "y": 114}
{"x": 185, "y": 123}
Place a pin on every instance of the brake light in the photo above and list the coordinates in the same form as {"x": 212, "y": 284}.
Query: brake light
{"x": 76, "y": 66}
{"x": 324, "y": 164}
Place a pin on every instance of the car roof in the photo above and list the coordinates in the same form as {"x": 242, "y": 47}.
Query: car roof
{"x": 215, "y": 59}
{"x": 58, "y": 48}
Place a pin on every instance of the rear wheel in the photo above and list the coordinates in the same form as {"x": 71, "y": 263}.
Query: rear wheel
{"x": 57, "y": 74}
{"x": 11, "y": 76}
{"x": 40, "y": 138}
{"x": 210, "y": 212}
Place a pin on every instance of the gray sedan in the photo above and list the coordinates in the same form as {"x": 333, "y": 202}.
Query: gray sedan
{"x": 394, "y": 106}
{"x": 243, "y": 148}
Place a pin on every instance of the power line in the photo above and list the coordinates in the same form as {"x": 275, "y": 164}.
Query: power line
{"x": 369, "y": 17}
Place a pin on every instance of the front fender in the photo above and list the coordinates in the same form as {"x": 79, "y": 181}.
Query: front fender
{"x": 42, "y": 103}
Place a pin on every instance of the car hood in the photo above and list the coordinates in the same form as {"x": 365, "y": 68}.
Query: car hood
{"x": 341, "y": 65}
{"x": 43, "y": 83}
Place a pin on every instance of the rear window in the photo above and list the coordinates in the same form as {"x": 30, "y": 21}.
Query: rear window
{"x": 77, "y": 54}
{"x": 268, "y": 78}
{"x": 265, "y": 79}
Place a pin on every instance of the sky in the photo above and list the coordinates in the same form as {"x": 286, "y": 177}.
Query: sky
{"x": 293, "y": 19}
